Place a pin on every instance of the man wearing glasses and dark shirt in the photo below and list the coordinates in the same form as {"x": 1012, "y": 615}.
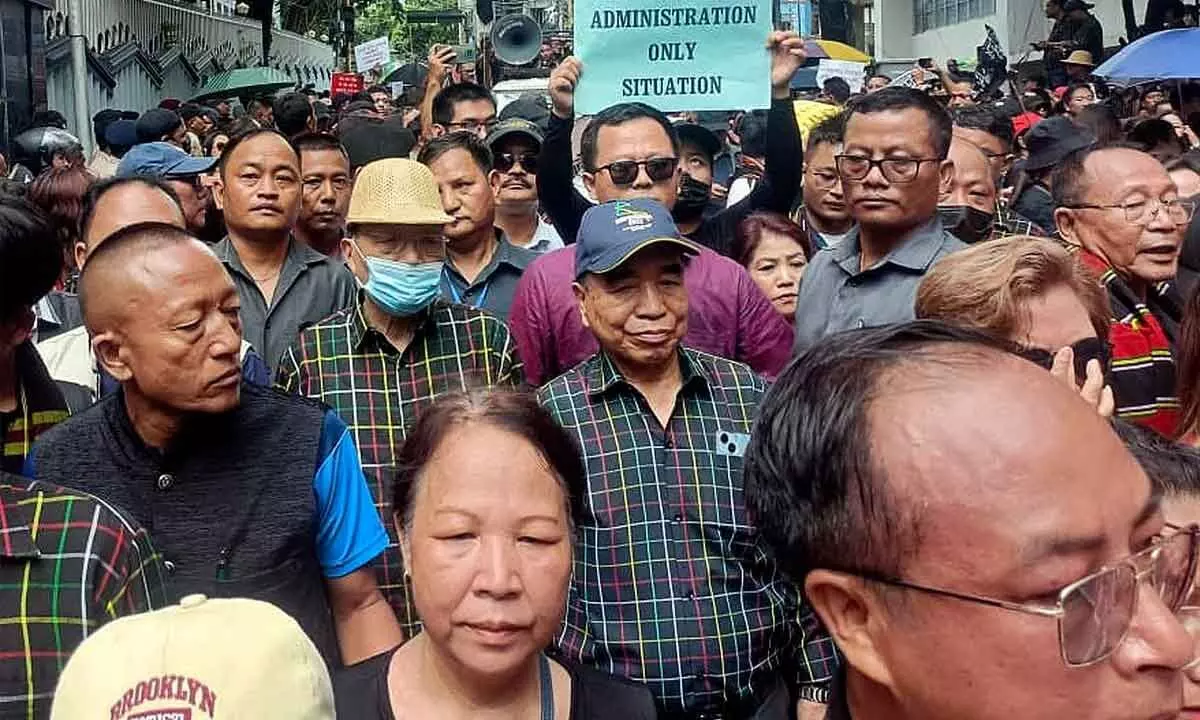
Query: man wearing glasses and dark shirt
{"x": 893, "y": 167}
{"x": 1011, "y": 562}
{"x": 673, "y": 178}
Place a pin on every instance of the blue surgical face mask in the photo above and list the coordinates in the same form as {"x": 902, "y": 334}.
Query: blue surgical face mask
{"x": 399, "y": 288}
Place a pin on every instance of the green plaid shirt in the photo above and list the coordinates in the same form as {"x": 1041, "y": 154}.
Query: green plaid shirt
{"x": 379, "y": 392}
{"x": 673, "y": 587}
{"x": 69, "y": 563}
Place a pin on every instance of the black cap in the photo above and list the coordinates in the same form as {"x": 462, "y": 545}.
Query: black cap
{"x": 155, "y": 123}
{"x": 705, "y": 139}
{"x": 1053, "y": 139}
{"x": 1077, "y": 5}
{"x": 533, "y": 108}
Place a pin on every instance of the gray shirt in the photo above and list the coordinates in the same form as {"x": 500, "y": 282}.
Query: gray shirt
{"x": 495, "y": 286}
{"x": 836, "y": 295}
{"x": 311, "y": 287}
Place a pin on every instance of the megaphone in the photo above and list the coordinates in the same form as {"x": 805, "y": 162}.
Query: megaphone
{"x": 516, "y": 38}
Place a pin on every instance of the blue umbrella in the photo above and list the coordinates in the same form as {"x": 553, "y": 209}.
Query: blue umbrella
{"x": 1166, "y": 55}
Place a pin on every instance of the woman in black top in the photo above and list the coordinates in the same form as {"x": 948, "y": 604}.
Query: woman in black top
{"x": 487, "y": 498}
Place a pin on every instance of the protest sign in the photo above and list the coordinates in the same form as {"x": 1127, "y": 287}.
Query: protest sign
{"x": 372, "y": 54}
{"x": 851, "y": 72}
{"x": 673, "y": 54}
{"x": 349, "y": 83}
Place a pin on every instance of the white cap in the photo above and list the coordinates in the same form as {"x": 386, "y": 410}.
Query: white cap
{"x": 228, "y": 659}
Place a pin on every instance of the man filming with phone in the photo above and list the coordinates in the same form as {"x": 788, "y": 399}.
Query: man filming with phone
{"x": 461, "y": 105}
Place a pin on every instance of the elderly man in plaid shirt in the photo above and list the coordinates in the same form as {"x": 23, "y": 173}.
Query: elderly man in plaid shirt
{"x": 383, "y": 361}
{"x": 672, "y": 587}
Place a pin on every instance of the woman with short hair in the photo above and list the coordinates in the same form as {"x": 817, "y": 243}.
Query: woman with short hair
{"x": 487, "y": 497}
{"x": 1033, "y": 293}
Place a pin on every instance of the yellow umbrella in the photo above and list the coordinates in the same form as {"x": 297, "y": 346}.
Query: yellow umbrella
{"x": 810, "y": 114}
{"x": 834, "y": 50}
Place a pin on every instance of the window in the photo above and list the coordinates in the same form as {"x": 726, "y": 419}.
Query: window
{"x": 930, "y": 14}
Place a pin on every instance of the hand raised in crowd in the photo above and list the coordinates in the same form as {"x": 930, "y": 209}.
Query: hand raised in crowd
{"x": 442, "y": 59}
{"x": 563, "y": 81}
{"x": 1094, "y": 391}
{"x": 787, "y": 55}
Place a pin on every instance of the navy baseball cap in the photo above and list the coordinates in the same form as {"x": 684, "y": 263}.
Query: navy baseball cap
{"x": 611, "y": 233}
{"x": 161, "y": 159}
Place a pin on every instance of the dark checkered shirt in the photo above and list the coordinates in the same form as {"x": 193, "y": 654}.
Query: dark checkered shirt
{"x": 380, "y": 392}
{"x": 69, "y": 563}
{"x": 672, "y": 586}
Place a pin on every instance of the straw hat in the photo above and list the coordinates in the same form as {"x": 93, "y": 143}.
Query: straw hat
{"x": 1079, "y": 57}
{"x": 396, "y": 191}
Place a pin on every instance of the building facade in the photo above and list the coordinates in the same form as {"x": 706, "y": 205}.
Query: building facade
{"x": 941, "y": 29}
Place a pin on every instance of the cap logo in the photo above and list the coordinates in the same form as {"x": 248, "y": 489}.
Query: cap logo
{"x": 632, "y": 219}
{"x": 167, "y": 687}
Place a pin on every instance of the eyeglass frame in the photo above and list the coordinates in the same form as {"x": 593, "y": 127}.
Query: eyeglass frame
{"x": 473, "y": 125}
{"x": 873, "y": 163}
{"x": 641, "y": 165}
{"x": 1059, "y": 612}
{"x": 517, "y": 159}
{"x": 1185, "y": 203}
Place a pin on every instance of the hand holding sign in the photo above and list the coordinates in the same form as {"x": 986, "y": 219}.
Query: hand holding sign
{"x": 562, "y": 86}
{"x": 787, "y": 56}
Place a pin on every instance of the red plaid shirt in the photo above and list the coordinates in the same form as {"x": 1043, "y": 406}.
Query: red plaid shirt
{"x": 1143, "y": 367}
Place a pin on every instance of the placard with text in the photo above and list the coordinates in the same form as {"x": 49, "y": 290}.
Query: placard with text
{"x": 673, "y": 54}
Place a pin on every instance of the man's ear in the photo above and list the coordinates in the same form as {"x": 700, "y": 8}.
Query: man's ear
{"x": 218, "y": 191}
{"x": 1064, "y": 221}
{"x": 110, "y": 355}
{"x": 945, "y": 177}
{"x": 580, "y": 297}
{"x": 80, "y": 249}
{"x": 437, "y": 130}
{"x": 589, "y": 182}
{"x": 855, "y": 618}
{"x": 495, "y": 179}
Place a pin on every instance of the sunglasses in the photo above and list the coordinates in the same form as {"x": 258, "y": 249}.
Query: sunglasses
{"x": 1095, "y": 612}
{"x": 625, "y": 172}
{"x": 1085, "y": 350}
{"x": 505, "y": 162}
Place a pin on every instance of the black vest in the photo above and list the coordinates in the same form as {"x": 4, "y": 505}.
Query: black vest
{"x": 230, "y": 506}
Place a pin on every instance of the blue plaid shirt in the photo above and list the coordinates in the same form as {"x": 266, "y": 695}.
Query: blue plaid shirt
{"x": 673, "y": 587}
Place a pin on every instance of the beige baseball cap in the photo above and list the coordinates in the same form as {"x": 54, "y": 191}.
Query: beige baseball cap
{"x": 227, "y": 659}
{"x": 396, "y": 191}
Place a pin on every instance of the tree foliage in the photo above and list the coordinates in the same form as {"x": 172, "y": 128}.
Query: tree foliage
{"x": 374, "y": 18}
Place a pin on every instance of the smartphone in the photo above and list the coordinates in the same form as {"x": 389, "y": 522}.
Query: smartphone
{"x": 926, "y": 63}
{"x": 464, "y": 54}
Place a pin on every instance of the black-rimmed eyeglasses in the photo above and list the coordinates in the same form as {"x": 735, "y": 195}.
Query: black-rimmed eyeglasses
{"x": 897, "y": 170}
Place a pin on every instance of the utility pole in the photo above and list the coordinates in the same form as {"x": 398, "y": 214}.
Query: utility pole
{"x": 79, "y": 74}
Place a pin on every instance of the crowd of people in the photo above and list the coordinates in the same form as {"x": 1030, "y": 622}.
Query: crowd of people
{"x": 424, "y": 407}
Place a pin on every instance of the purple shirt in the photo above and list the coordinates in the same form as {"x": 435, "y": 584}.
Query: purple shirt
{"x": 728, "y": 316}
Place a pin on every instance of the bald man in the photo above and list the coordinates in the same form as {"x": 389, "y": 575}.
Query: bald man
{"x": 108, "y": 207}
{"x": 967, "y": 206}
{"x": 247, "y": 492}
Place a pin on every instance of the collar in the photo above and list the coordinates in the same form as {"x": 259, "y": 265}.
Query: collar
{"x": 298, "y": 255}
{"x": 506, "y": 254}
{"x": 602, "y": 375}
{"x": 915, "y": 251}
{"x": 45, "y": 314}
{"x": 16, "y": 536}
{"x": 360, "y": 332}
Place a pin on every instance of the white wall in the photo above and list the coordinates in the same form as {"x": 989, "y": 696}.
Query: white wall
{"x": 1017, "y": 23}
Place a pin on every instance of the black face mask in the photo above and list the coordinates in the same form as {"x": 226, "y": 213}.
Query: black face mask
{"x": 969, "y": 224}
{"x": 691, "y": 200}
{"x": 1086, "y": 350}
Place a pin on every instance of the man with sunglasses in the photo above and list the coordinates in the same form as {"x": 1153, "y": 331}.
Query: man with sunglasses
{"x": 627, "y": 152}
{"x": 181, "y": 172}
{"x": 893, "y": 167}
{"x": 1011, "y": 562}
{"x": 1122, "y": 211}
{"x": 516, "y": 145}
